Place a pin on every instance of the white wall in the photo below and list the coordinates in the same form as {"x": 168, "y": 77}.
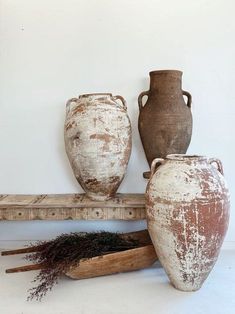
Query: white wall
{"x": 52, "y": 50}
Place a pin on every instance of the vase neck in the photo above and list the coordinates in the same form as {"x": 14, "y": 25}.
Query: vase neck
{"x": 96, "y": 96}
{"x": 166, "y": 82}
{"x": 186, "y": 158}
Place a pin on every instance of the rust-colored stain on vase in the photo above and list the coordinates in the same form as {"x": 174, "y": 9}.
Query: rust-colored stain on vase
{"x": 187, "y": 202}
{"x": 98, "y": 142}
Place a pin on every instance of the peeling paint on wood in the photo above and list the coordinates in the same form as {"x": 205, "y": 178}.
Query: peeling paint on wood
{"x": 187, "y": 204}
{"x": 98, "y": 142}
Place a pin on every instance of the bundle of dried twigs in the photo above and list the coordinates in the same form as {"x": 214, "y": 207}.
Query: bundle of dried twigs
{"x": 56, "y": 257}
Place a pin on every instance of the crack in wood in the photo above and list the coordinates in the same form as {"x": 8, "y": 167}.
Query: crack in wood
{"x": 2, "y": 196}
{"x": 38, "y": 199}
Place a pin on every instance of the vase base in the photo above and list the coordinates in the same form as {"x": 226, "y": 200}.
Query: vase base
{"x": 96, "y": 197}
{"x": 184, "y": 288}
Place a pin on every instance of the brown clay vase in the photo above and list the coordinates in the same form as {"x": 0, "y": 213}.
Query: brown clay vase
{"x": 187, "y": 204}
{"x": 98, "y": 142}
{"x": 165, "y": 121}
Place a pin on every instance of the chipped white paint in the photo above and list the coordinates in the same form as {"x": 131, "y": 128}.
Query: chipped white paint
{"x": 98, "y": 142}
{"x": 187, "y": 203}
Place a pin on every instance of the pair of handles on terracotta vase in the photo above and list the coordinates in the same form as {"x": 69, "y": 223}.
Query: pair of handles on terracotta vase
{"x": 140, "y": 98}
{"x": 157, "y": 162}
{"x": 117, "y": 97}
{"x": 146, "y": 93}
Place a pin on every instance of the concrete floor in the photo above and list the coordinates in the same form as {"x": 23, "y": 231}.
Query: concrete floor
{"x": 142, "y": 292}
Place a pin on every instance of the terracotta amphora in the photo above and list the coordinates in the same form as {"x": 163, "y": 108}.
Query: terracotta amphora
{"x": 187, "y": 204}
{"x": 98, "y": 142}
{"x": 165, "y": 121}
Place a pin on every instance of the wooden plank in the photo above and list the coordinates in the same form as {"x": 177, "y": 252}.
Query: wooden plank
{"x": 71, "y": 206}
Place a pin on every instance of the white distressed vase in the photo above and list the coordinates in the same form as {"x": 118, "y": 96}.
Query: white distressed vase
{"x": 187, "y": 204}
{"x": 98, "y": 142}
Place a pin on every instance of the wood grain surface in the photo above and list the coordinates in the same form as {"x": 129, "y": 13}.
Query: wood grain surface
{"x": 71, "y": 206}
{"x": 129, "y": 260}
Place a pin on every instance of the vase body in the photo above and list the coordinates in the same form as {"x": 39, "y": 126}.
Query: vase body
{"x": 187, "y": 204}
{"x": 165, "y": 121}
{"x": 98, "y": 142}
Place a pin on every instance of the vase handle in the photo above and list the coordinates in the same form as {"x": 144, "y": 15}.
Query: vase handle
{"x": 154, "y": 164}
{"x": 69, "y": 102}
{"x": 189, "y": 96}
{"x": 122, "y": 100}
{"x": 218, "y": 163}
{"x": 141, "y": 95}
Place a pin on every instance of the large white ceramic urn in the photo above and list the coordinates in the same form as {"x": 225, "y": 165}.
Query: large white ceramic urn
{"x": 98, "y": 142}
{"x": 187, "y": 205}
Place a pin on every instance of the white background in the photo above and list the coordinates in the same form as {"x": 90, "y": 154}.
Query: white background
{"x": 52, "y": 50}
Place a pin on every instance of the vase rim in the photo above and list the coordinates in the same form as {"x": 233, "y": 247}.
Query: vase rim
{"x": 95, "y": 94}
{"x": 185, "y": 157}
{"x": 165, "y": 72}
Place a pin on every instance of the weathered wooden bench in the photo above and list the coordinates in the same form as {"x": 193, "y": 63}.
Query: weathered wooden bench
{"x": 71, "y": 206}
